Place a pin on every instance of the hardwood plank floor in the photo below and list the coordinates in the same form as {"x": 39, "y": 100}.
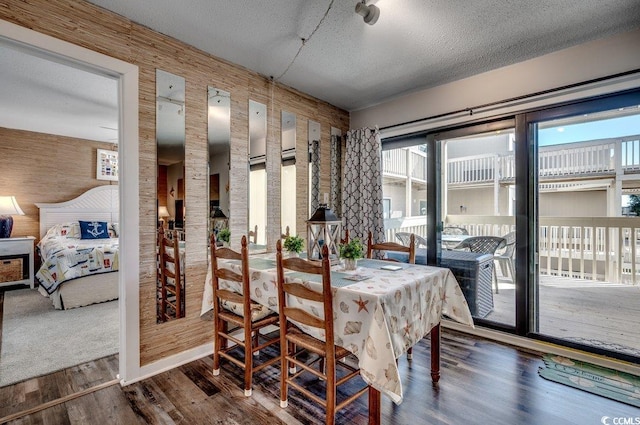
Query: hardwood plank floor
{"x": 483, "y": 382}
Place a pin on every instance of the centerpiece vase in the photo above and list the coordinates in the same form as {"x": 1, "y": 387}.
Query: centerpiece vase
{"x": 350, "y": 263}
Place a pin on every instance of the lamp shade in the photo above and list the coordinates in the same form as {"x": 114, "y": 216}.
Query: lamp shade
{"x": 163, "y": 212}
{"x": 8, "y": 207}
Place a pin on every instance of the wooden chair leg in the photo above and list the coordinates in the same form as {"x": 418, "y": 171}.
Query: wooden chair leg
{"x": 284, "y": 368}
{"x": 217, "y": 342}
{"x": 248, "y": 359}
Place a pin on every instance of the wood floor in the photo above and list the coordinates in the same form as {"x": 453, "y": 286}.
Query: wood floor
{"x": 483, "y": 382}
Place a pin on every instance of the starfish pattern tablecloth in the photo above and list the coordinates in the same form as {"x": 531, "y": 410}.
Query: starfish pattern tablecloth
{"x": 377, "y": 318}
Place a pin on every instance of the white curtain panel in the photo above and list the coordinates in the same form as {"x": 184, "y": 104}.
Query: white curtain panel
{"x": 362, "y": 185}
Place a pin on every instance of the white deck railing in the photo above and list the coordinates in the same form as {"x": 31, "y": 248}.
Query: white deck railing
{"x": 603, "y": 156}
{"x": 597, "y": 248}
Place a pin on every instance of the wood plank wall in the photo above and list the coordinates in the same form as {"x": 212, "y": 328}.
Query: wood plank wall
{"x": 36, "y": 167}
{"x": 89, "y": 26}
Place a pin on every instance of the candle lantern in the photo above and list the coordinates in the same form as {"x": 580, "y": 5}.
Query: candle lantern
{"x": 218, "y": 221}
{"x": 323, "y": 228}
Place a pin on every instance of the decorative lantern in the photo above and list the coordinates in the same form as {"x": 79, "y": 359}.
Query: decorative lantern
{"x": 323, "y": 228}
{"x": 218, "y": 221}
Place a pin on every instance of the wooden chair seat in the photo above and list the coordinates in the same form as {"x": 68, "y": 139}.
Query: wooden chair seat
{"x": 258, "y": 311}
{"x": 301, "y": 339}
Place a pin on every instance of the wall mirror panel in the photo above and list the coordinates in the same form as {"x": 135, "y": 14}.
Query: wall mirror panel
{"x": 219, "y": 144}
{"x": 314, "y": 166}
{"x": 288, "y": 187}
{"x": 257, "y": 176}
{"x": 171, "y": 200}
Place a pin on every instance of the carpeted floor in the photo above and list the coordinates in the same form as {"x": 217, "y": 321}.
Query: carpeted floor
{"x": 598, "y": 380}
{"x": 37, "y": 339}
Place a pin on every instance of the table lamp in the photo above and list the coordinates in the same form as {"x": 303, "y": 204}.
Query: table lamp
{"x": 8, "y": 207}
{"x": 163, "y": 213}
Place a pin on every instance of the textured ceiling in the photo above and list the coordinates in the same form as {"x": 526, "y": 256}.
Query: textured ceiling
{"x": 415, "y": 44}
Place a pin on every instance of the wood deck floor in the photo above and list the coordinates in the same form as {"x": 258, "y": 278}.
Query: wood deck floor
{"x": 600, "y": 314}
{"x": 482, "y": 382}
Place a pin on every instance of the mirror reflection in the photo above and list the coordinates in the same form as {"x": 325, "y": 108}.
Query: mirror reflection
{"x": 288, "y": 174}
{"x": 171, "y": 206}
{"x": 219, "y": 143}
{"x": 257, "y": 176}
{"x": 314, "y": 166}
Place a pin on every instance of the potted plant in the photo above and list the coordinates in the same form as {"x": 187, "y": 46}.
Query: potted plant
{"x": 350, "y": 252}
{"x": 294, "y": 244}
{"x": 224, "y": 235}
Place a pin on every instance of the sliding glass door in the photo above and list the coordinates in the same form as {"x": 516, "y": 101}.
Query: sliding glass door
{"x": 476, "y": 230}
{"x": 588, "y": 169}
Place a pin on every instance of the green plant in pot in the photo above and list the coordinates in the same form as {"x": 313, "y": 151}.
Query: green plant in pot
{"x": 350, "y": 252}
{"x": 224, "y": 235}
{"x": 294, "y": 244}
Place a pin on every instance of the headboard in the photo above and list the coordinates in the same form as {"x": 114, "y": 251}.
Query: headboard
{"x": 100, "y": 203}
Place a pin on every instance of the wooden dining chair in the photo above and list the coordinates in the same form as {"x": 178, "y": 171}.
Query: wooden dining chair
{"x": 345, "y": 240}
{"x": 312, "y": 356}
{"x": 233, "y": 310}
{"x": 382, "y": 247}
{"x": 410, "y": 249}
{"x": 170, "y": 285}
{"x": 253, "y": 235}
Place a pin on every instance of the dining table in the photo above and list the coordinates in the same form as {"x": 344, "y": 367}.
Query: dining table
{"x": 381, "y": 309}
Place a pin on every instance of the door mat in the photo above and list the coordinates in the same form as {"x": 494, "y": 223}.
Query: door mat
{"x": 619, "y": 386}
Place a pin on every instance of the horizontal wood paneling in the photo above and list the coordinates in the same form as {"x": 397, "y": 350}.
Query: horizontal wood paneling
{"x": 36, "y": 167}
{"x": 89, "y": 26}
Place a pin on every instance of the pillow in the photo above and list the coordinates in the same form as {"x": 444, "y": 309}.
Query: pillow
{"x": 69, "y": 230}
{"x": 94, "y": 230}
{"x": 116, "y": 229}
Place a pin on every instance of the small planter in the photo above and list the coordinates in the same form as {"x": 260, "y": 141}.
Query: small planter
{"x": 350, "y": 263}
{"x": 293, "y": 254}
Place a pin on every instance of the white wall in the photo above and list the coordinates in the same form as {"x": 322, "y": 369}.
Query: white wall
{"x": 591, "y": 60}
{"x": 591, "y": 203}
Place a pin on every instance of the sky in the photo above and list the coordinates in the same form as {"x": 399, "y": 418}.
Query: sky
{"x": 593, "y": 130}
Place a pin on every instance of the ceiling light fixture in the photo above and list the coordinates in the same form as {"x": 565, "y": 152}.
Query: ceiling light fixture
{"x": 370, "y": 13}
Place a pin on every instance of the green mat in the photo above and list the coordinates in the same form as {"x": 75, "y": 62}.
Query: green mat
{"x": 619, "y": 386}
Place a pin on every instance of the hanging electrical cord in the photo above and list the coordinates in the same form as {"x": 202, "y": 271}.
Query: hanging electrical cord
{"x": 304, "y": 41}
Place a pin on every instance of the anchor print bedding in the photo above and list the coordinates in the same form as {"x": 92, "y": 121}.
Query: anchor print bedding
{"x": 67, "y": 254}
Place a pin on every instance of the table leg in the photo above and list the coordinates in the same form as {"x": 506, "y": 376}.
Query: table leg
{"x": 374, "y": 406}
{"x": 435, "y": 353}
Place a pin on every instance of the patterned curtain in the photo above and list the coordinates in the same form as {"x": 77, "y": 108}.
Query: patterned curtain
{"x": 314, "y": 153}
{"x": 336, "y": 175}
{"x": 362, "y": 185}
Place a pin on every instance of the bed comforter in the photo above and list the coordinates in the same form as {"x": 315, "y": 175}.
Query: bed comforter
{"x": 66, "y": 258}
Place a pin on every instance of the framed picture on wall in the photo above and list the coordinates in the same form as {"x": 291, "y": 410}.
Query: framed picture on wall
{"x": 107, "y": 165}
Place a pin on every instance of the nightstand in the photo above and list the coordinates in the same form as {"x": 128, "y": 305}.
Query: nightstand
{"x": 16, "y": 261}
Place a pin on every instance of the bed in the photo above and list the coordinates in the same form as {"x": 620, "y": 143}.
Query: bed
{"x": 76, "y": 272}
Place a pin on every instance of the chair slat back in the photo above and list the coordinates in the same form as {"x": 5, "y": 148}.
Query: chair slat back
{"x": 392, "y": 246}
{"x": 286, "y": 289}
{"x": 253, "y": 235}
{"x": 218, "y": 273}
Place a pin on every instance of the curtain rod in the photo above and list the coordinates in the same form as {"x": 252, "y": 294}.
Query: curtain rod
{"x": 517, "y": 98}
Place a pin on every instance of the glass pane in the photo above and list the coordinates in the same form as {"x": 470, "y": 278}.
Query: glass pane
{"x": 404, "y": 191}
{"x": 588, "y": 228}
{"x": 478, "y": 229}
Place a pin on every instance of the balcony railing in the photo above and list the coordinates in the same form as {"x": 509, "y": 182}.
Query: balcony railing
{"x": 595, "y": 248}
{"x": 598, "y": 157}
{"x": 398, "y": 162}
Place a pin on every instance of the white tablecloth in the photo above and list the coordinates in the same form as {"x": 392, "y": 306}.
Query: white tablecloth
{"x": 378, "y": 318}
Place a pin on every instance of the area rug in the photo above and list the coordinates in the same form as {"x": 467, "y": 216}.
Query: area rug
{"x": 37, "y": 339}
{"x": 609, "y": 383}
